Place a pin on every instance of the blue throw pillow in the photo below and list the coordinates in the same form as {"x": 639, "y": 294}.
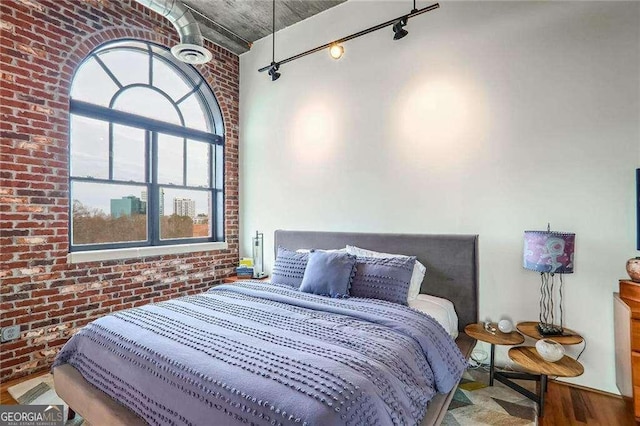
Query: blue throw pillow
{"x": 289, "y": 267}
{"x": 386, "y": 278}
{"x": 329, "y": 273}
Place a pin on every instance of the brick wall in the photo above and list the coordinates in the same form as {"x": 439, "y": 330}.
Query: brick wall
{"x": 42, "y": 42}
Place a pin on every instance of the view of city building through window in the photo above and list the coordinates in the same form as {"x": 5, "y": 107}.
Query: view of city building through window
{"x": 127, "y": 216}
{"x": 184, "y": 210}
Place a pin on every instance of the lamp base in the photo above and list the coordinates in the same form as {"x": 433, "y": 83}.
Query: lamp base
{"x": 549, "y": 330}
{"x": 546, "y": 326}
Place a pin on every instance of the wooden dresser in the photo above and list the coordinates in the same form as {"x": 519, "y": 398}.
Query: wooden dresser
{"x": 626, "y": 311}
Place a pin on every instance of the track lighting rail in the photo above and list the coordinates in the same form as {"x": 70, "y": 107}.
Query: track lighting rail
{"x": 352, "y": 36}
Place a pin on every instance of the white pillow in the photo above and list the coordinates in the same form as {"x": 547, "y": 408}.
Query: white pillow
{"x": 342, "y": 250}
{"x": 416, "y": 277}
{"x": 442, "y": 310}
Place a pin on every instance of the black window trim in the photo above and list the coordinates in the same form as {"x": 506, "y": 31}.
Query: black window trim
{"x": 89, "y": 110}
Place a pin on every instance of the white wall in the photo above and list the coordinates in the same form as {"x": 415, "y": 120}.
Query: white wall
{"x": 489, "y": 118}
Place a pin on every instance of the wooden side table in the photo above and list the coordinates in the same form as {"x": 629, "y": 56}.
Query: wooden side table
{"x": 528, "y": 357}
{"x": 478, "y": 332}
{"x": 530, "y": 329}
{"x": 234, "y": 278}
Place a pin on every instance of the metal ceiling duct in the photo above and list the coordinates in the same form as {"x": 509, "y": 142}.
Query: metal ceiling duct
{"x": 190, "y": 49}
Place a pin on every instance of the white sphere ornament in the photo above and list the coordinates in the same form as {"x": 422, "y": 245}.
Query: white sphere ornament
{"x": 550, "y": 350}
{"x": 505, "y": 326}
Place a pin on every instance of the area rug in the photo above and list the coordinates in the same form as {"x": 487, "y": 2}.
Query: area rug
{"x": 476, "y": 403}
{"x": 40, "y": 391}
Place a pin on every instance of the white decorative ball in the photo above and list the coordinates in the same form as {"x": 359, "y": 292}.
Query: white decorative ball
{"x": 550, "y": 350}
{"x": 505, "y": 326}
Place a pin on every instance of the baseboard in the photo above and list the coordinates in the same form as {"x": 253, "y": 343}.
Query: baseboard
{"x": 587, "y": 389}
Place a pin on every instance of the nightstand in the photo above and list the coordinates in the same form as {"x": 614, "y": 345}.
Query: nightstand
{"x": 478, "y": 332}
{"x": 539, "y": 369}
{"x": 234, "y": 278}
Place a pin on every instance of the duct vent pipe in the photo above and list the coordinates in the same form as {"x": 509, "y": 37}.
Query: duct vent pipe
{"x": 190, "y": 49}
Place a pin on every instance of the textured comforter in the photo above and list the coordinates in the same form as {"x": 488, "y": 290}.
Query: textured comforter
{"x": 262, "y": 354}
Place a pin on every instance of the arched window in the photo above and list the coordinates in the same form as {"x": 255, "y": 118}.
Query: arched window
{"x": 146, "y": 146}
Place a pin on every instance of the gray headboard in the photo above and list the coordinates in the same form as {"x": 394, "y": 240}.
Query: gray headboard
{"x": 451, "y": 260}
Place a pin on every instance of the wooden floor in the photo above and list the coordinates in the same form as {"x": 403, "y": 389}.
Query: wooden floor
{"x": 568, "y": 405}
{"x": 565, "y": 406}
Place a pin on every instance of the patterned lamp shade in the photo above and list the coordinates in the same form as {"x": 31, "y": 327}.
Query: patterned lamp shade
{"x": 551, "y": 252}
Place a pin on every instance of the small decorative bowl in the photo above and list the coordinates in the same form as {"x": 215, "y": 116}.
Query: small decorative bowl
{"x": 550, "y": 350}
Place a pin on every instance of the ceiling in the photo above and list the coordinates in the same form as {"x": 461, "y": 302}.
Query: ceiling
{"x": 235, "y": 24}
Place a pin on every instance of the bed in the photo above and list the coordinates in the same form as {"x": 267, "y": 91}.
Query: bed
{"x": 310, "y": 385}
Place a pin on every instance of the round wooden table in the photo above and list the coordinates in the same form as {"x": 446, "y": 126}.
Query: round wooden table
{"x": 530, "y": 329}
{"x": 478, "y": 332}
{"x": 528, "y": 357}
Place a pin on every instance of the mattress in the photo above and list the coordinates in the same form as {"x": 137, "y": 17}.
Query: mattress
{"x": 265, "y": 354}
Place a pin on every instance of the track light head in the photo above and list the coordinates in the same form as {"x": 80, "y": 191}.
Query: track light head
{"x": 273, "y": 71}
{"x": 336, "y": 51}
{"x": 398, "y": 29}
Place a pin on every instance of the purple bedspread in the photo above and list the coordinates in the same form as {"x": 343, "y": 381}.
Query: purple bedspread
{"x": 263, "y": 354}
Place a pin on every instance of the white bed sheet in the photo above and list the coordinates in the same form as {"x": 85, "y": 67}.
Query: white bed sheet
{"x": 442, "y": 310}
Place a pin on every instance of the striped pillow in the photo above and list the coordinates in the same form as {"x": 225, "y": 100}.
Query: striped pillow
{"x": 289, "y": 267}
{"x": 385, "y": 278}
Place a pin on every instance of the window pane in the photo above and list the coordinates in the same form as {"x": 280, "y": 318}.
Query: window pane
{"x": 148, "y": 103}
{"x": 186, "y": 214}
{"x": 194, "y": 113}
{"x": 89, "y": 142}
{"x": 128, "y": 153}
{"x": 129, "y": 66}
{"x": 92, "y": 84}
{"x": 167, "y": 79}
{"x": 219, "y": 216}
{"x": 107, "y": 213}
{"x": 219, "y": 170}
{"x": 170, "y": 159}
{"x": 198, "y": 163}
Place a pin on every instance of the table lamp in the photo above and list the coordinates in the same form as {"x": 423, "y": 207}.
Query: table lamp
{"x": 551, "y": 254}
{"x": 257, "y": 244}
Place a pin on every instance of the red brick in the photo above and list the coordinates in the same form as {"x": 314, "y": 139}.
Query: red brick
{"x": 31, "y": 318}
{"x": 42, "y": 44}
{"x": 14, "y": 361}
{"x": 28, "y": 302}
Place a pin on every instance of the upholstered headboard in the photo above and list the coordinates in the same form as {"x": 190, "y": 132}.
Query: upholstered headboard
{"x": 451, "y": 260}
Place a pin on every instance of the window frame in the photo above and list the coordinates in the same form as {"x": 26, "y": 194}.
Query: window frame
{"x": 152, "y": 128}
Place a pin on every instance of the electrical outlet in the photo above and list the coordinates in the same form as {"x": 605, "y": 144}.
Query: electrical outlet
{"x": 10, "y": 333}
